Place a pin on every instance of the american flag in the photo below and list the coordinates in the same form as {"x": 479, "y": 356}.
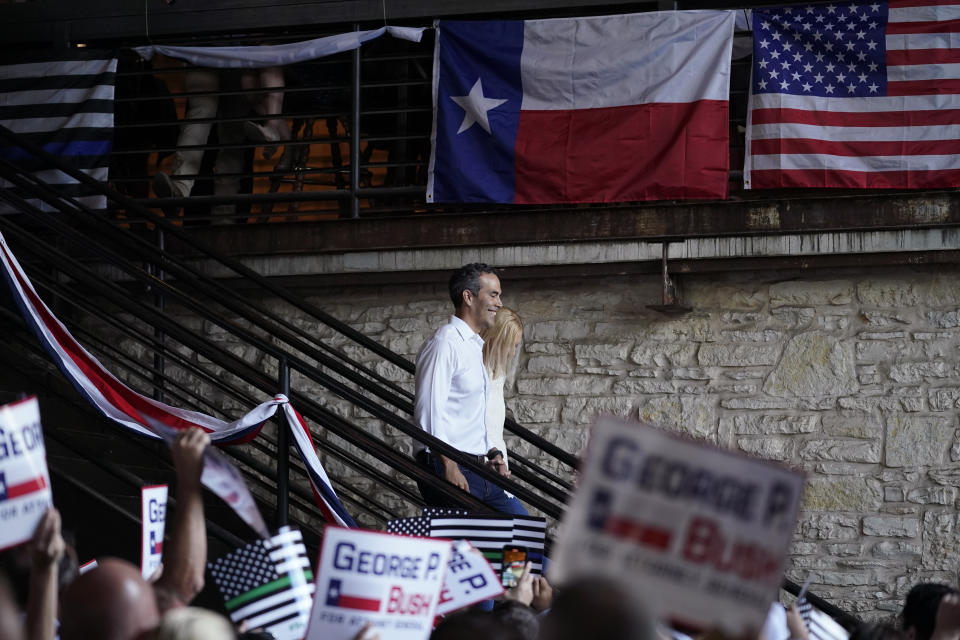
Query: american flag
{"x": 65, "y": 105}
{"x": 488, "y": 533}
{"x": 855, "y": 95}
{"x": 268, "y": 584}
{"x": 820, "y": 625}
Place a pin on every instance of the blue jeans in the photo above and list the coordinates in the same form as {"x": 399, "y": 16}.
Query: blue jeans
{"x": 480, "y": 488}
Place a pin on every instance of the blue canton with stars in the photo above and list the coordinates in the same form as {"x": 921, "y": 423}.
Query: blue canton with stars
{"x": 827, "y": 50}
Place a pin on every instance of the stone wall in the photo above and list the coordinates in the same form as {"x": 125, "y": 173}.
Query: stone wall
{"x": 852, "y": 376}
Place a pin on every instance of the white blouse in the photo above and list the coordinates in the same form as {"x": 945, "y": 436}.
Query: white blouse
{"x": 496, "y": 413}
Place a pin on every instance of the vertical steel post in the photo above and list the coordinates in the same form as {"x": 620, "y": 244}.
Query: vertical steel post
{"x": 355, "y": 135}
{"x": 283, "y": 450}
{"x": 158, "y": 359}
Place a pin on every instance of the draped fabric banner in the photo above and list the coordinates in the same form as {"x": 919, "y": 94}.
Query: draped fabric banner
{"x": 279, "y": 54}
{"x": 145, "y": 416}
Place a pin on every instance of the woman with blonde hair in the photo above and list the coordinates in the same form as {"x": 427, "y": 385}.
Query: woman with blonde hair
{"x": 500, "y": 344}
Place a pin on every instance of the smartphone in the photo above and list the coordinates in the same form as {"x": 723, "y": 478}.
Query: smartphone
{"x": 513, "y": 560}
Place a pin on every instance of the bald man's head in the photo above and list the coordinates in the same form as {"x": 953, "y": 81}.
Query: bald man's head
{"x": 111, "y": 602}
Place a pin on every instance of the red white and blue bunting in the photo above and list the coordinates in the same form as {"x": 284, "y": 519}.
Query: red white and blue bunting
{"x": 144, "y": 416}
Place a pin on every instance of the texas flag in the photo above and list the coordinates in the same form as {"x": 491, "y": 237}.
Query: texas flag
{"x": 601, "y": 109}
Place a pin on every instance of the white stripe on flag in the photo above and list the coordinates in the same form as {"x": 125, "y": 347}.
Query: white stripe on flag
{"x": 657, "y": 57}
{"x": 77, "y": 120}
{"x": 904, "y": 73}
{"x": 300, "y": 606}
{"x": 293, "y": 565}
{"x": 57, "y": 68}
{"x": 271, "y": 601}
{"x": 790, "y": 130}
{"x": 901, "y": 41}
{"x": 931, "y": 13}
{"x": 800, "y": 161}
{"x": 853, "y": 105}
{"x": 56, "y": 96}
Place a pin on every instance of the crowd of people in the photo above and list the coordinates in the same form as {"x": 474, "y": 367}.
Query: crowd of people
{"x": 460, "y": 377}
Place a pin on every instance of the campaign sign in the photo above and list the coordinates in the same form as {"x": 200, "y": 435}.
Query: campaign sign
{"x": 470, "y": 579}
{"x": 24, "y": 480}
{"x": 153, "y": 513}
{"x": 393, "y": 582}
{"x": 682, "y": 522}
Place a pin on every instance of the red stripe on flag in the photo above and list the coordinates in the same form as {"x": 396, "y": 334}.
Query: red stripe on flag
{"x": 854, "y": 148}
{"x": 361, "y": 604}
{"x": 929, "y": 26}
{"x": 922, "y": 56}
{"x": 646, "y": 535}
{"x": 857, "y": 119}
{"x": 620, "y": 154}
{"x": 835, "y": 178}
{"x": 30, "y": 486}
{"x": 923, "y": 87}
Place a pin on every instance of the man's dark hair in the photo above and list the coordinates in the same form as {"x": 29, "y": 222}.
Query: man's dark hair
{"x": 467, "y": 278}
{"x": 920, "y": 608}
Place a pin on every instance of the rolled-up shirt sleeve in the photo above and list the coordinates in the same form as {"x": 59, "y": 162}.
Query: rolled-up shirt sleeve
{"x": 436, "y": 364}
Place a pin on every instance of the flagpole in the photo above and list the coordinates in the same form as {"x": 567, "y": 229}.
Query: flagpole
{"x": 283, "y": 450}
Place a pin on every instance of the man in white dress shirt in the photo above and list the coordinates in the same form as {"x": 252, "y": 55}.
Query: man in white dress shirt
{"x": 451, "y": 389}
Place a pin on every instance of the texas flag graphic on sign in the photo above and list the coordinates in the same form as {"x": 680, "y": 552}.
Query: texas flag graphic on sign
{"x": 600, "y": 109}
{"x": 337, "y": 598}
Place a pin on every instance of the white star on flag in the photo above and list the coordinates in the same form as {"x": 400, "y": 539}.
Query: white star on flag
{"x": 475, "y": 107}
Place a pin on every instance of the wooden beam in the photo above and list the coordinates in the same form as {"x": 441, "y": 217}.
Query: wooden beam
{"x": 653, "y": 222}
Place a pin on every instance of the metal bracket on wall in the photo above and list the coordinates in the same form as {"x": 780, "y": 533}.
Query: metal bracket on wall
{"x": 671, "y": 297}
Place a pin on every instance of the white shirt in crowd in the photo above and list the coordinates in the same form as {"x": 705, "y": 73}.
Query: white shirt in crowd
{"x": 451, "y": 388}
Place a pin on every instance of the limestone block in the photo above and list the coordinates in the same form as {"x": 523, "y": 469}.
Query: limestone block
{"x": 431, "y": 307}
{"x": 706, "y": 294}
{"x": 844, "y": 549}
{"x": 805, "y": 293}
{"x": 869, "y": 404}
{"x": 744, "y": 374}
{"x": 551, "y": 348}
{"x": 691, "y": 328}
{"x": 736, "y": 389}
{"x": 559, "y": 330}
{"x": 882, "y": 335}
{"x": 826, "y": 526}
{"x": 685, "y": 373}
{"x": 838, "y": 493}
{"x": 760, "y": 403}
{"x": 917, "y": 440}
{"x": 739, "y": 318}
{"x": 693, "y": 415}
{"x": 946, "y": 496}
{"x": 916, "y": 372}
{"x": 813, "y": 364}
{"x": 941, "y": 540}
{"x": 891, "y": 526}
{"x": 644, "y": 386}
{"x": 406, "y": 344}
{"x": 603, "y": 371}
{"x": 893, "y": 494}
{"x": 912, "y": 405}
{"x": 591, "y": 355}
{"x": 841, "y": 450}
{"x": 944, "y": 289}
{"x": 944, "y": 398}
{"x": 884, "y": 319}
{"x": 843, "y": 578}
{"x": 548, "y": 364}
{"x": 899, "y": 549}
{"x": 767, "y": 335}
{"x": 406, "y": 325}
{"x": 833, "y": 322}
{"x": 891, "y": 294}
{"x": 585, "y": 410}
{"x": 663, "y": 354}
{"x": 768, "y": 447}
{"x": 948, "y": 477}
{"x": 556, "y": 386}
{"x": 737, "y": 355}
{"x": 642, "y": 373}
{"x": 754, "y": 424}
{"x": 793, "y": 317}
{"x": 944, "y": 319}
{"x": 533, "y": 410}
